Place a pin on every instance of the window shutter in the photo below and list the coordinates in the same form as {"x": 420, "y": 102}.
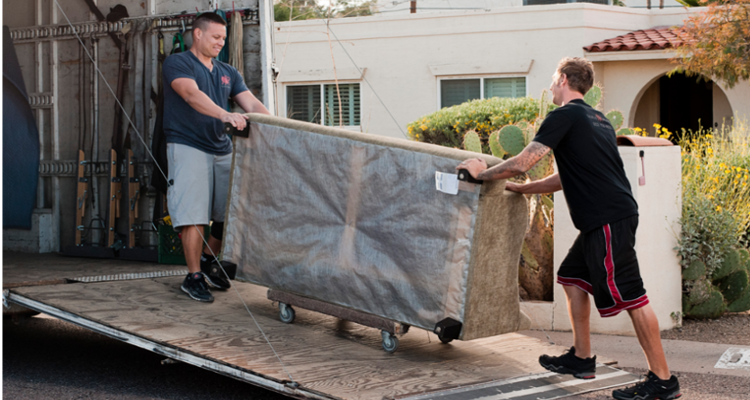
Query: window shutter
{"x": 303, "y": 103}
{"x": 457, "y": 91}
{"x": 350, "y": 98}
{"x": 504, "y": 87}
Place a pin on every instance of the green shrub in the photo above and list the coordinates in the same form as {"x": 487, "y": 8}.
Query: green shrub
{"x": 733, "y": 286}
{"x": 447, "y": 126}
{"x": 742, "y": 303}
{"x": 715, "y": 217}
{"x": 696, "y": 270}
{"x": 713, "y": 307}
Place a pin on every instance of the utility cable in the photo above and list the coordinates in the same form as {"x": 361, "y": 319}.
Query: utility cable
{"x": 140, "y": 137}
{"x": 360, "y": 71}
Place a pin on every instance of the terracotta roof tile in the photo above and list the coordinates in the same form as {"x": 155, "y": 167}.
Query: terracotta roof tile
{"x": 658, "y": 38}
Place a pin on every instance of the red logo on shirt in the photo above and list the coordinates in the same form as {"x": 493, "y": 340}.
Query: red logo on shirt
{"x": 597, "y": 117}
{"x": 225, "y": 80}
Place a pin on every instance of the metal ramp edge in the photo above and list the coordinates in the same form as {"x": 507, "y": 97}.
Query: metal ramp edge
{"x": 283, "y": 387}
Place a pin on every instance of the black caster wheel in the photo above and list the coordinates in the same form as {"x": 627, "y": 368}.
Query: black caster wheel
{"x": 286, "y": 313}
{"x": 445, "y": 340}
{"x": 390, "y": 342}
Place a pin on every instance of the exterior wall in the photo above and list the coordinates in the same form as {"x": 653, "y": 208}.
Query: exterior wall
{"x": 660, "y": 207}
{"x": 628, "y": 87}
{"x": 51, "y": 67}
{"x": 432, "y": 6}
{"x": 404, "y": 56}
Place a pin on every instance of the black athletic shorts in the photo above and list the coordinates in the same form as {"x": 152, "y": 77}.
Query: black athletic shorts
{"x": 603, "y": 263}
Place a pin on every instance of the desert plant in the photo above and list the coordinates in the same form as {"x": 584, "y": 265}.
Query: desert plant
{"x": 446, "y": 127}
{"x": 504, "y": 127}
{"x": 715, "y": 216}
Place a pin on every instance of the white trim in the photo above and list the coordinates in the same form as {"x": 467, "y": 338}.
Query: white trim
{"x": 174, "y": 353}
{"x": 319, "y": 75}
{"x": 506, "y": 66}
{"x": 636, "y": 55}
{"x": 265, "y": 20}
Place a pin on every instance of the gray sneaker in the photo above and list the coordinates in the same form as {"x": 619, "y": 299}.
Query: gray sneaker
{"x": 195, "y": 287}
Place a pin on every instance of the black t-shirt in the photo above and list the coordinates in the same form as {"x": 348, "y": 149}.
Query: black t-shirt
{"x": 590, "y": 167}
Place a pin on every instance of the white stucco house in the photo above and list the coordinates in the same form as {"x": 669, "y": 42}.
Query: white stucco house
{"x": 394, "y": 67}
{"x": 397, "y": 66}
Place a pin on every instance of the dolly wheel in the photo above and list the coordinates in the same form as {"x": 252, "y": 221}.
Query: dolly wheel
{"x": 445, "y": 340}
{"x": 286, "y": 313}
{"x": 390, "y": 342}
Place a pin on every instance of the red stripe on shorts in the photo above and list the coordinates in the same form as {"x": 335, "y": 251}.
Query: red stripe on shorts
{"x": 579, "y": 283}
{"x": 609, "y": 265}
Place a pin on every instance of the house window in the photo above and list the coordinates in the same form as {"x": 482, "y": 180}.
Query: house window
{"x": 457, "y": 91}
{"x": 319, "y": 104}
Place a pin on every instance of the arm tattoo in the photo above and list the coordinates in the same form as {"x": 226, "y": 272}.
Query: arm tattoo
{"x": 519, "y": 164}
{"x": 532, "y": 154}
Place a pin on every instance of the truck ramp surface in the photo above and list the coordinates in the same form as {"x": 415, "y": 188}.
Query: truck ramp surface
{"x": 323, "y": 357}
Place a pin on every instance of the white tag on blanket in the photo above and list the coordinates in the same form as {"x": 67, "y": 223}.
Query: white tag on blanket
{"x": 446, "y": 183}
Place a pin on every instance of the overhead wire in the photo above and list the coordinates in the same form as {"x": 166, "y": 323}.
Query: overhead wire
{"x": 361, "y": 74}
{"x": 166, "y": 178}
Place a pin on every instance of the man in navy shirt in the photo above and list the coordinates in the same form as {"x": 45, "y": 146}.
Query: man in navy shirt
{"x": 196, "y": 97}
{"x": 602, "y": 261}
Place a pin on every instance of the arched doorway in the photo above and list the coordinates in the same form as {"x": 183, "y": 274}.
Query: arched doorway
{"x": 682, "y": 102}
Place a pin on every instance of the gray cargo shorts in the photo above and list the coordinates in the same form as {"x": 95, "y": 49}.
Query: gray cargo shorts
{"x": 200, "y": 185}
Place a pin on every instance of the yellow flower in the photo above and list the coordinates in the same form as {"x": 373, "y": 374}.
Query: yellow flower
{"x": 657, "y": 126}
{"x": 423, "y": 127}
{"x": 718, "y": 208}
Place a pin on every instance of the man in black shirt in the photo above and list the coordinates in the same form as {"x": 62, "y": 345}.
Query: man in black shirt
{"x": 602, "y": 261}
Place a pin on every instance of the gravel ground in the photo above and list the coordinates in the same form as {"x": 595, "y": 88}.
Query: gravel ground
{"x": 731, "y": 328}
{"x": 694, "y": 386}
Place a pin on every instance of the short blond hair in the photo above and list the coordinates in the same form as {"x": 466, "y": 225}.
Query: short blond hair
{"x": 579, "y": 71}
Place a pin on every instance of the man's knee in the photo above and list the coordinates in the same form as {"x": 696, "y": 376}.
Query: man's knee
{"x": 217, "y": 230}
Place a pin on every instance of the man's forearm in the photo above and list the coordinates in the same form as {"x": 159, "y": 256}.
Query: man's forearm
{"x": 508, "y": 169}
{"x": 549, "y": 184}
{"x": 250, "y": 103}
{"x": 204, "y": 105}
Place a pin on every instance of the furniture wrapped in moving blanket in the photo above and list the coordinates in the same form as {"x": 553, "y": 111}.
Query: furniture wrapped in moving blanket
{"x": 354, "y": 220}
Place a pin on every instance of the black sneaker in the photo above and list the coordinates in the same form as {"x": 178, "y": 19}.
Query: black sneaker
{"x": 213, "y": 273}
{"x": 568, "y": 363}
{"x": 195, "y": 287}
{"x": 650, "y": 388}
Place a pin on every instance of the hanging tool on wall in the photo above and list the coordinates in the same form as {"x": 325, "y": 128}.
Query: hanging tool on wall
{"x": 81, "y": 196}
{"x": 133, "y": 194}
{"x": 100, "y": 17}
{"x": 178, "y": 42}
{"x": 115, "y": 191}
{"x": 122, "y": 76}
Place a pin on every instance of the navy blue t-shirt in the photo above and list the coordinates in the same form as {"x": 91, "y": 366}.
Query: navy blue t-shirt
{"x": 182, "y": 123}
{"x": 591, "y": 170}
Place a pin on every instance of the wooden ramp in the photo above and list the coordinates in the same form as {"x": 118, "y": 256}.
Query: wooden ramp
{"x": 326, "y": 358}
